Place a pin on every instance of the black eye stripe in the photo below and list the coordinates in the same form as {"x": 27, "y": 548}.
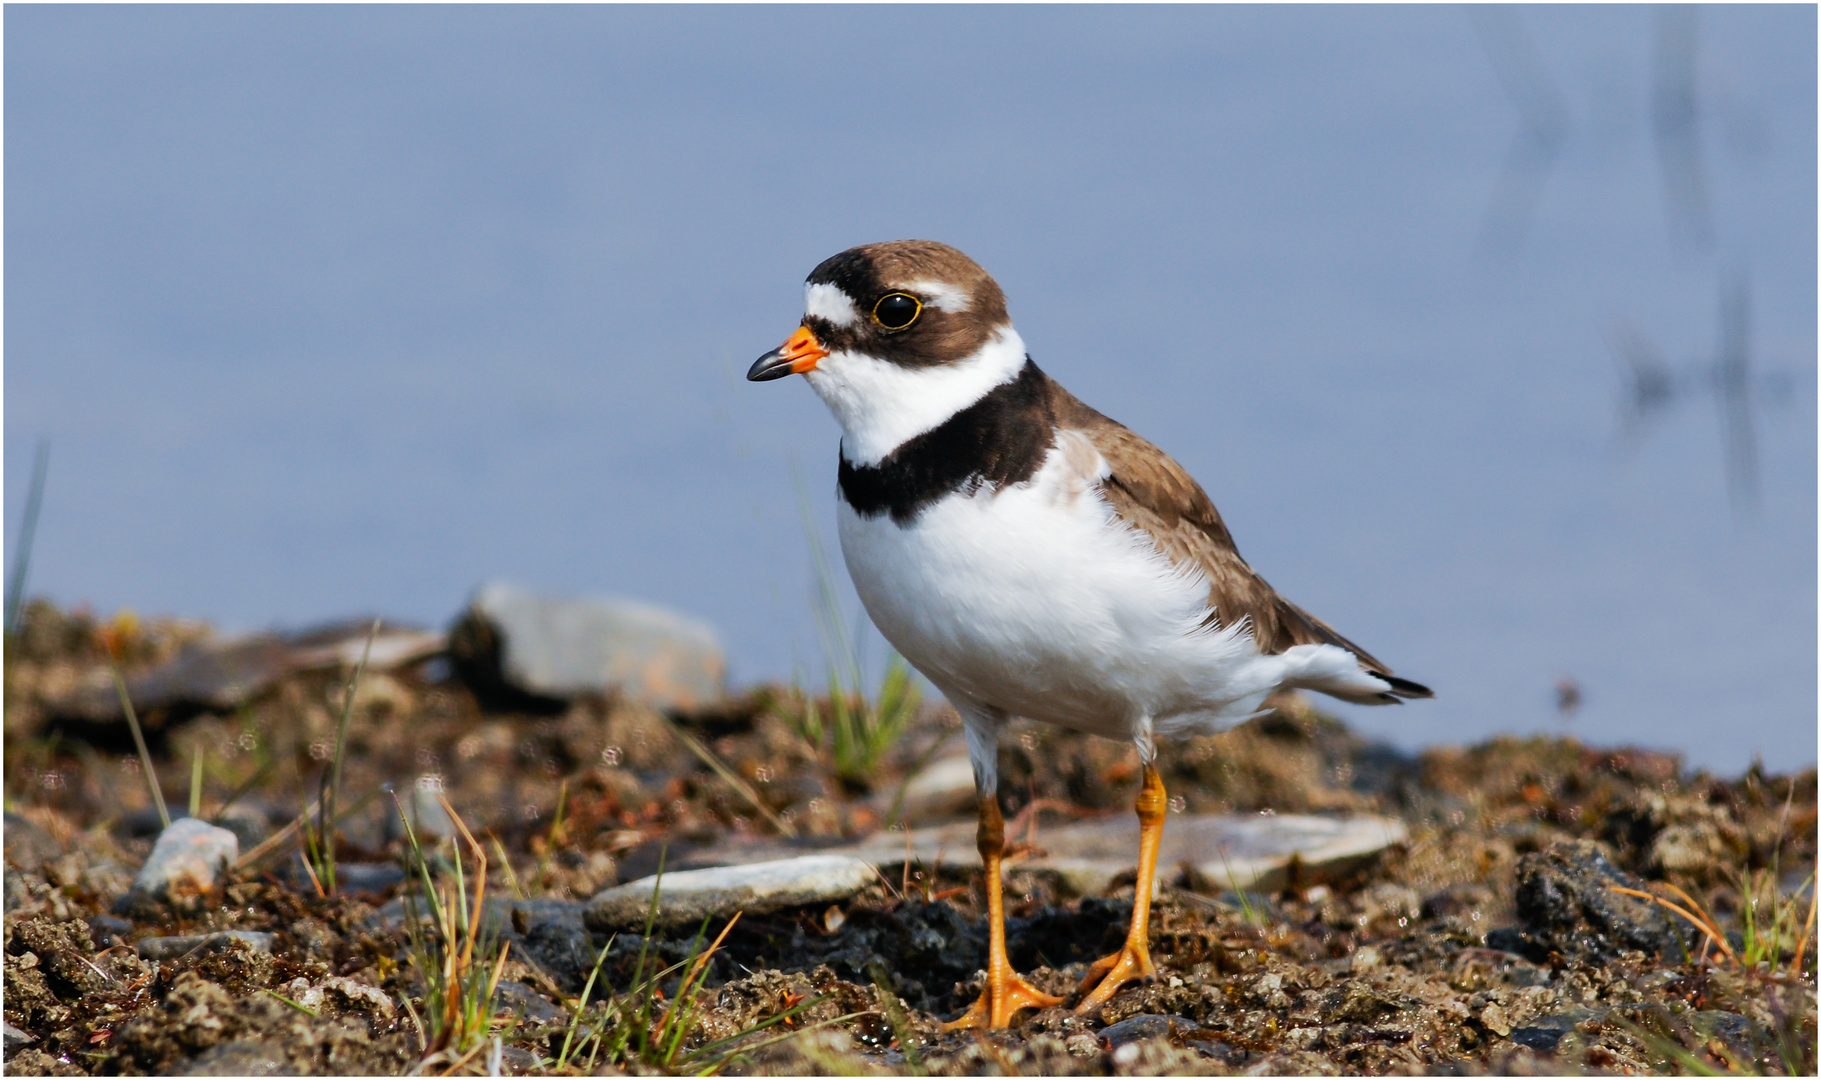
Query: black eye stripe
{"x": 896, "y": 310}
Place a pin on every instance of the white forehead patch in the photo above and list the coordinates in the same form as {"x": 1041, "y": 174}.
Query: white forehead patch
{"x": 940, "y": 294}
{"x": 826, "y": 301}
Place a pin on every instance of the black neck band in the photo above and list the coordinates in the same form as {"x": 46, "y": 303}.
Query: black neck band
{"x": 1000, "y": 439}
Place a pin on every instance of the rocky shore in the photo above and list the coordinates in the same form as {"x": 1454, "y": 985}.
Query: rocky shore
{"x": 1329, "y": 905}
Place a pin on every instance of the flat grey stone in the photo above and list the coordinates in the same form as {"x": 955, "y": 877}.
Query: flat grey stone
{"x": 689, "y": 896}
{"x": 170, "y": 948}
{"x": 373, "y": 879}
{"x": 184, "y": 870}
{"x": 1229, "y": 851}
{"x": 564, "y": 647}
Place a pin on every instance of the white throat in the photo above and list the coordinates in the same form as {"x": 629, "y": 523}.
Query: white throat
{"x": 881, "y": 405}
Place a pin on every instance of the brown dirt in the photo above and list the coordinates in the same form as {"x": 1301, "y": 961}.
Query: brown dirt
{"x": 1489, "y": 942}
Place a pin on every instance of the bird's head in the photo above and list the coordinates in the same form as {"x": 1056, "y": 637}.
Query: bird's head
{"x": 896, "y": 337}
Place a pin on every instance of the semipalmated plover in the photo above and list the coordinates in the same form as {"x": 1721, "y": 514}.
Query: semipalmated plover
{"x": 1033, "y": 558}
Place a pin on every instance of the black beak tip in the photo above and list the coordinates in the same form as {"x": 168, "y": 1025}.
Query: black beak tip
{"x": 768, "y": 367}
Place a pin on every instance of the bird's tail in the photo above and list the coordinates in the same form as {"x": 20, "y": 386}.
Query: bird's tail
{"x": 1341, "y": 673}
{"x": 1361, "y": 679}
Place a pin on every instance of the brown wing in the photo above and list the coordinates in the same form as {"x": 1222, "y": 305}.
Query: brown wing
{"x": 1151, "y": 492}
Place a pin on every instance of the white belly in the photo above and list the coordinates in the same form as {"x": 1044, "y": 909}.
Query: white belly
{"x": 1036, "y": 600}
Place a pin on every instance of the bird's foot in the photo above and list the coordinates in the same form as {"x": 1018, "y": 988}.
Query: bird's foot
{"x": 999, "y": 1002}
{"x": 1112, "y": 972}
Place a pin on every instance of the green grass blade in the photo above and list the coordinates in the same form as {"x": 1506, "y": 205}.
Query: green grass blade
{"x": 197, "y": 752}
{"x": 145, "y": 756}
{"x": 28, "y": 531}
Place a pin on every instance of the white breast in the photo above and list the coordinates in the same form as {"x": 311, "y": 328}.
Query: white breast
{"x": 1037, "y": 600}
{"x": 880, "y": 405}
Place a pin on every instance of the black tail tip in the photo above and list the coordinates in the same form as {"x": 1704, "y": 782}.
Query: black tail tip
{"x": 1404, "y": 688}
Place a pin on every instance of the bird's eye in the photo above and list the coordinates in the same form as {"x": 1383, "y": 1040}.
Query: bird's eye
{"x": 895, "y": 311}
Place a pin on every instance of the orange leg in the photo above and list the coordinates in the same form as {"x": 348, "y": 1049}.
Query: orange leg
{"x": 1134, "y": 960}
{"x": 1005, "y": 992}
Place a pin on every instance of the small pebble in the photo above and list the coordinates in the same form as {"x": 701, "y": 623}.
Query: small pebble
{"x": 1083, "y": 1044}
{"x": 184, "y": 869}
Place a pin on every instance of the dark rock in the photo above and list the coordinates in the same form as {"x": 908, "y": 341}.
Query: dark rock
{"x": 1143, "y": 1026}
{"x": 351, "y": 878}
{"x": 14, "y": 1038}
{"x": 374, "y": 879}
{"x": 170, "y": 948}
{"x": 1539, "y": 1037}
{"x": 550, "y": 934}
{"x": 1178, "y": 1031}
{"x": 532, "y": 1008}
{"x": 564, "y": 950}
{"x": 1545, "y": 1033}
{"x": 516, "y": 916}
{"x": 145, "y": 821}
{"x": 512, "y": 646}
{"x": 924, "y": 950}
{"x": 1507, "y": 939}
{"x": 1735, "y": 1031}
{"x": 1567, "y": 908}
{"x": 1057, "y": 936}
{"x": 517, "y": 1061}
{"x": 243, "y": 1057}
{"x": 110, "y": 930}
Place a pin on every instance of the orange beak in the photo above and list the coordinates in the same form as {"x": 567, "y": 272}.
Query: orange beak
{"x": 797, "y": 355}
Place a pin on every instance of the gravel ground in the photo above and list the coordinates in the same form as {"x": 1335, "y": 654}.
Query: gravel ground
{"x": 1491, "y": 941}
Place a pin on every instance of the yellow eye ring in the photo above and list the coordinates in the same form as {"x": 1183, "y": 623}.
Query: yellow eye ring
{"x": 896, "y": 310}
